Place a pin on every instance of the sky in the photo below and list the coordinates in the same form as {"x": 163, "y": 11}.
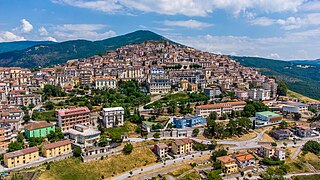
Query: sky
{"x": 278, "y": 29}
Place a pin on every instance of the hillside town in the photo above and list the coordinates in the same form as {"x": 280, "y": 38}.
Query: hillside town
{"x": 177, "y": 102}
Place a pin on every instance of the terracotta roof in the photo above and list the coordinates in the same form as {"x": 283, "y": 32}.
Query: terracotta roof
{"x": 180, "y": 142}
{"x": 244, "y": 157}
{"x": 56, "y": 144}
{"x": 21, "y": 152}
{"x": 162, "y": 145}
{"x": 226, "y": 159}
{"x": 220, "y": 105}
{"x": 37, "y": 125}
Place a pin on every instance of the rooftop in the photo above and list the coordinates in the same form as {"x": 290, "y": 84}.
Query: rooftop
{"x": 268, "y": 114}
{"x": 73, "y": 111}
{"x": 56, "y": 144}
{"x": 37, "y": 125}
{"x": 21, "y": 152}
{"x": 226, "y": 159}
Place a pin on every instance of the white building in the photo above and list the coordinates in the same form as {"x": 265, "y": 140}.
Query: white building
{"x": 259, "y": 94}
{"x": 112, "y": 117}
{"x": 105, "y": 83}
{"x": 294, "y": 107}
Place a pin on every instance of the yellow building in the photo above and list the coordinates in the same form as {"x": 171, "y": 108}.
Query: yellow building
{"x": 56, "y": 148}
{"x": 193, "y": 87}
{"x": 181, "y": 146}
{"x": 228, "y": 164}
{"x": 184, "y": 84}
{"x": 20, "y": 157}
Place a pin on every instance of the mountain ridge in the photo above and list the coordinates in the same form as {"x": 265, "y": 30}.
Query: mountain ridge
{"x": 20, "y": 45}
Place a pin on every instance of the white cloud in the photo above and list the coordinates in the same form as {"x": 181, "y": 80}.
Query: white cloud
{"x": 80, "y": 27}
{"x": 26, "y": 26}
{"x": 7, "y": 36}
{"x": 187, "y": 7}
{"x": 88, "y": 35}
{"x": 288, "y": 46}
{"x": 311, "y": 6}
{"x": 188, "y": 24}
{"x": 312, "y": 19}
{"x": 49, "y": 38}
{"x": 43, "y": 31}
{"x": 108, "y": 6}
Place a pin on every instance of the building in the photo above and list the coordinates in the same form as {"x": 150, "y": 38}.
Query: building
{"x": 267, "y": 118}
{"x": 303, "y": 131}
{"x": 281, "y": 134}
{"x": 188, "y": 121}
{"x": 160, "y": 86}
{"x": 241, "y": 94}
{"x": 220, "y": 108}
{"x": 245, "y": 160}
{"x": 56, "y": 148}
{"x": 259, "y": 94}
{"x": 228, "y": 164}
{"x": 105, "y": 83}
{"x": 38, "y": 129}
{"x": 21, "y": 157}
{"x": 160, "y": 149}
{"x": 294, "y": 107}
{"x": 212, "y": 91}
{"x": 112, "y": 117}
{"x": 67, "y": 118}
{"x": 83, "y": 136}
{"x": 272, "y": 152}
{"x": 182, "y": 146}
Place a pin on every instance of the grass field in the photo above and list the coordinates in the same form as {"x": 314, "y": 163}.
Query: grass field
{"x": 267, "y": 138}
{"x": 247, "y": 136}
{"x": 311, "y": 159}
{"x": 312, "y": 177}
{"x": 300, "y": 97}
{"x": 75, "y": 169}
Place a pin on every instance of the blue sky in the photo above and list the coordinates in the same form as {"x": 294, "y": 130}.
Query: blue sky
{"x": 280, "y": 29}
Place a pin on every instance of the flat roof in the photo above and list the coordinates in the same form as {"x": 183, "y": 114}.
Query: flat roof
{"x": 268, "y": 114}
{"x": 113, "y": 109}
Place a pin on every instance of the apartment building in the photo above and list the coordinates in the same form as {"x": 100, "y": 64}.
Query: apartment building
{"x": 56, "y": 148}
{"x": 212, "y": 91}
{"x": 294, "y": 107}
{"x": 220, "y": 108}
{"x": 83, "y": 136}
{"x": 259, "y": 94}
{"x": 245, "y": 160}
{"x": 272, "y": 152}
{"x": 112, "y": 117}
{"x": 160, "y": 149}
{"x": 228, "y": 164}
{"x": 160, "y": 86}
{"x": 105, "y": 83}
{"x": 182, "y": 146}
{"x": 303, "y": 131}
{"x": 21, "y": 157}
{"x": 67, "y": 118}
{"x": 38, "y": 129}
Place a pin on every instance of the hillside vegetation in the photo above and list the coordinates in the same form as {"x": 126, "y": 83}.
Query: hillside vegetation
{"x": 51, "y": 54}
{"x": 305, "y": 81}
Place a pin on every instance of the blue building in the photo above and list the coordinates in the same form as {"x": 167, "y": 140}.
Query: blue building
{"x": 189, "y": 121}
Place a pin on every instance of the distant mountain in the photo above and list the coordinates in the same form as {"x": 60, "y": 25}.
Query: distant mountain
{"x": 50, "y": 54}
{"x": 304, "y": 80}
{"x": 308, "y": 62}
{"x": 19, "y": 45}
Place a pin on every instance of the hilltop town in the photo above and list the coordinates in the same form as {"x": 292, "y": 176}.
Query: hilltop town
{"x": 167, "y": 105}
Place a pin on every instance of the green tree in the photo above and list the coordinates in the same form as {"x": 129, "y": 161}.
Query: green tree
{"x": 103, "y": 141}
{"x": 156, "y": 135}
{"x": 20, "y": 138}
{"x": 14, "y": 146}
{"x": 127, "y": 149}
{"x": 195, "y": 132}
{"x": 77, "y": 151}
{"x": 282, "y": 89}
{"x": 213, "y": 116}
{"x": 26, "y": 118}
{"x": 312, "y": 146}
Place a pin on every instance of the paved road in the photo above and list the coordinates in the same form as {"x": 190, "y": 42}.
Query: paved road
{"x": 300, "y": 174}
{"x": 296, "y": 153}
{"x": 160, "y": 165}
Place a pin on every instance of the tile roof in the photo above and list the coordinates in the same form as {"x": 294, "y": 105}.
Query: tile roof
{"x": 37, "y": 125}
{"x": 244, "y": 157}
{"x": 21, "y": 152}
{"x": 226, "y": 159}
{"x": 56, "y": 144}
{"x": 220, "y": 105}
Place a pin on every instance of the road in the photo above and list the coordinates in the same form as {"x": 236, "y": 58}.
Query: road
{"x": 160, "y": 165}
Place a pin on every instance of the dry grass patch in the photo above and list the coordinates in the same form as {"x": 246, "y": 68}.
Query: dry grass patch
{"x": 177, "y": 172}
{"x": 152, "y": 142}
{"x": 266, "y": 138}
{"x": 311, "y": 159}
{"x": 300, "y": 97}
{"x": 192, "y": 175}
{"x": 75, "y": 169}
{"x": 244, "y": 137}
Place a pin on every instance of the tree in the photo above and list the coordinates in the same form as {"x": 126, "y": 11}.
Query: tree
{"x": 312, "y": 146}
{"x": 282, "y": 88}
{"x": 213, "y": 116}
{"x": 195, "y": 132}
{"x": 14, "y": 146}
{"x": 214, "y": 175}
{"x": 103, "y": 141}
{"x": 296, "y": 116}
{"x": 20, "y": 138}
{"x": 274, "y": 144}
{"x": 77, "y": 151}
{"x": 127, "y": 149}
{"x": 138, "y": 130}
{"x": 156, "y": 135}
{"x": 26, "y": 118}
{"x": 283, "y": 125}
